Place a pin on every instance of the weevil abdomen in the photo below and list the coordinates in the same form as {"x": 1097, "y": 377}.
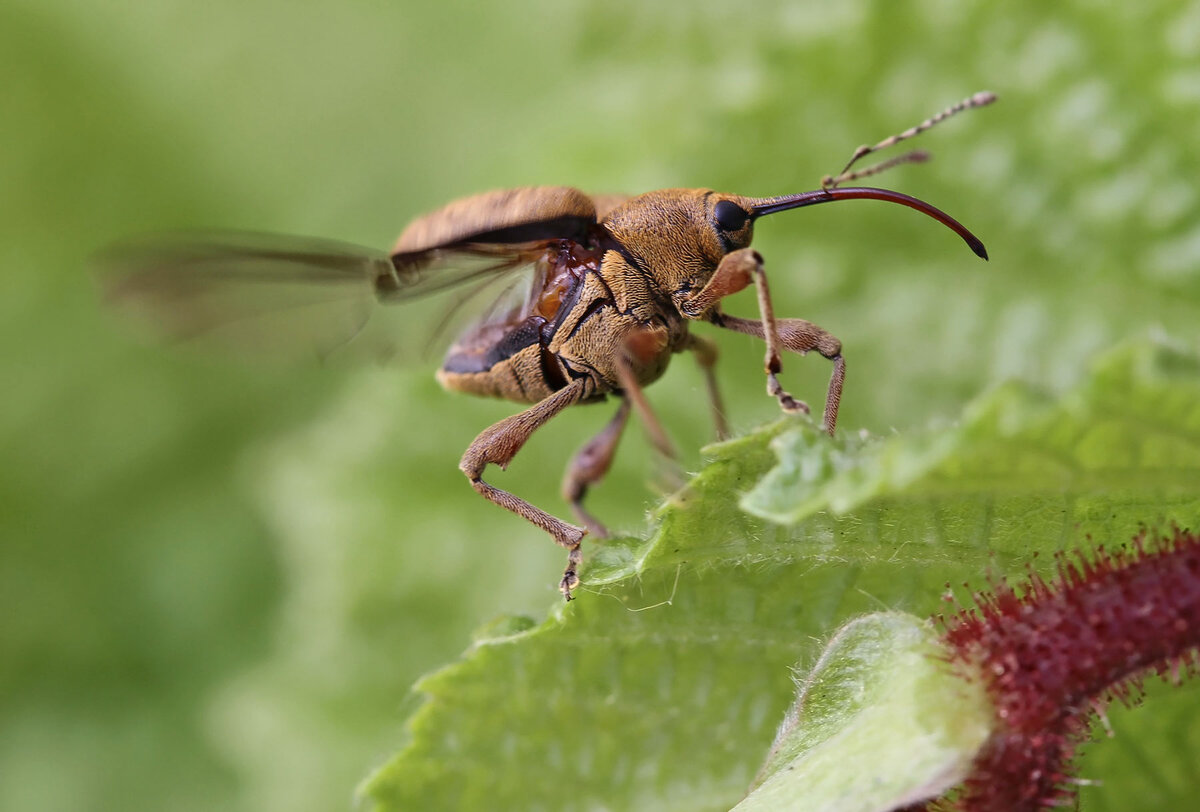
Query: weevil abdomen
{"x": 503, "y": 361}
{"x": 589, "y": 312}
{"x": 511, "y": 358}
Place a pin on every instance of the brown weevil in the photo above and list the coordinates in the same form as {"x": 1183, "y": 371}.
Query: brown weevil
{"x": 615, "y": 284}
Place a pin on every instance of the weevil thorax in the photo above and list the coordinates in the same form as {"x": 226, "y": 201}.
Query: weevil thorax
{"x": 678, "y": 236}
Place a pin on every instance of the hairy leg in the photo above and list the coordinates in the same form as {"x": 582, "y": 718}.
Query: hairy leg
{"x": 800, "y": 336}
{"x": 590, "y": 464}
{"x": 706, "y": 357}
{"x": 498, "y": 444}
{"x": 736, "y": 272}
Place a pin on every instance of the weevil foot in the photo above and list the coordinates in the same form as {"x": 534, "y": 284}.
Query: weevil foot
{"x": 570, "y": 579}
{"x": 786, "y": 402}
{"x": 792, "y": 406}
{"x": 568, "y": 583}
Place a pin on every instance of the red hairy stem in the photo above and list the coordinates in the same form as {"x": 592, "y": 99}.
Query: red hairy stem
{"x": 1054, "y": 653}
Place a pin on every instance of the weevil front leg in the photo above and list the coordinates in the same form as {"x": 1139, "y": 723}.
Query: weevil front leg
{"x": 737, "y": 271}
{"x": 800, "y": 336}
{"x": 498, "y": 444}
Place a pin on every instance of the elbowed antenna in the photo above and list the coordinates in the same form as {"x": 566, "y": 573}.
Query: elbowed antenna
{"x": 770, "y": 205}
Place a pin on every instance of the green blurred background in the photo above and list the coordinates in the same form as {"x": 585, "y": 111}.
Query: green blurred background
{"x": 218, "y": 580}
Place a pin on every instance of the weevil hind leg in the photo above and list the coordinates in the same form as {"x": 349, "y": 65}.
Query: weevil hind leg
{"x": 499, "y": 443}
{"x": 590, "y": 464}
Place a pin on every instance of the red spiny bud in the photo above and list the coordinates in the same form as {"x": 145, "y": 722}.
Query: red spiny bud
{"x": 1052, "y": 654}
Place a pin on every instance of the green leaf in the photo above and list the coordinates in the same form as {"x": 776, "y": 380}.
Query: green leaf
{"x": 660, "y": 686}
{"x": 222, "y": 581}
{"x": 1136, "y": 417}
{"x": 879, "y": 722}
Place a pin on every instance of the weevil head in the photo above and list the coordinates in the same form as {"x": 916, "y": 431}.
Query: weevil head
{"x": 678, "y": 236}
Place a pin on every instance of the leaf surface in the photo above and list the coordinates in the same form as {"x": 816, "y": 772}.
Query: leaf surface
{"x": 661, "y": 686}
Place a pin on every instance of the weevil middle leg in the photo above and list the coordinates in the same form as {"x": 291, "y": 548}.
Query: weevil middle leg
{"x": 706, "y": 357}
{"x": 590, "y": 464}
{"x": 672, "y": 476}
{"x": 592, "y": 461}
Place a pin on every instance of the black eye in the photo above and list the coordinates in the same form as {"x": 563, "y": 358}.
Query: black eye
{"x": 730, "y": 216}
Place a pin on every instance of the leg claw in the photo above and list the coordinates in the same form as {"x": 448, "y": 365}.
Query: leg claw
{"x": 786, "y": 402}
{"x": 570, "y": 579}
{"x": 792, "y": 406}
{"x": 569, "y": 582}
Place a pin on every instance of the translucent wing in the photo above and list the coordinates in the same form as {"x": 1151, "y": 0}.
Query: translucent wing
{"x": 301, "y": 297}
{"x": 293, "y": 297}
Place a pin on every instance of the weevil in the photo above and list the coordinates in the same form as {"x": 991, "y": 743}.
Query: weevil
{"x": 616, "y": 284}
